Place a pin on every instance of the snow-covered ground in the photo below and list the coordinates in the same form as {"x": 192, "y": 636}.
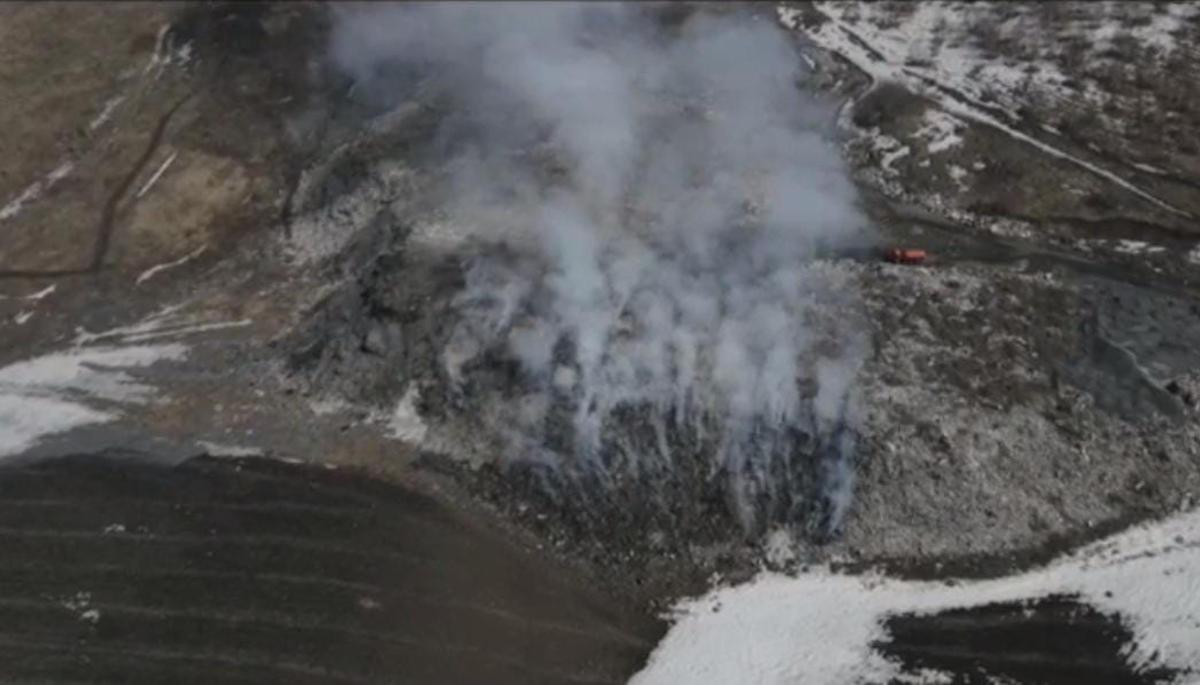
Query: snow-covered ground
{"x": 818, "y": 627}
{"x": 64, "y": 390}
{"x": 939, "y": 43}
{"x": 169, "y": 322}
{"x": 90, "y": 382}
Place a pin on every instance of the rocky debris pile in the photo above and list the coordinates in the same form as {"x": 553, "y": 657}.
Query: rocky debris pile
{"x": 1010, "y": 411}
{"x": 1005, "y": 402}
{"x": 636, "y": 327}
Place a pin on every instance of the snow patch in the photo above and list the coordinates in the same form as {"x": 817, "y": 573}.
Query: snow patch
{"x": 1167, "y": 20}
{"x": 35, "y": 190}
{"x": 166, "y": 54}
{"x": 106, "y": 112}
{"x": 892, "y": 157}
{"x": 26, "y": 419}
{"x": 77, "y": 602}
{"x": 97, "y": 372}
{"x": 216, "y": 449}
{"x": 1137, "y": 247}
{"x": 329, "y": 406}
{"x": 157, "y": 56}
{"x": 157, "y": 174}
{"x": 959, "y": 175}
{"x": 166, "y": 323}
{"x": 81, "y": 604}
{"x": 152, "y": 271}
{"x": 789, "y": 17}
{"x": 42, "y": 294}
{"x": 941, "y": 131}
{"x": 24, "y": 316}
{"x": 86, "y": 384}
{"x": 183, "y": 56}
{"x": 818, "y": 627}
{"x": 889, "y": 149}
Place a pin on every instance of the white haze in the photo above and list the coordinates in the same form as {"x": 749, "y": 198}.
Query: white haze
{"x": 657, "y": 200}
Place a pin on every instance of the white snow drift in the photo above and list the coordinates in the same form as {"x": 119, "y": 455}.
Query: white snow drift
{"x": 65, "y": 390}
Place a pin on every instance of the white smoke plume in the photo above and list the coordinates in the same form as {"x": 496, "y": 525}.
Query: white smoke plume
{"x": 645, "y": 205}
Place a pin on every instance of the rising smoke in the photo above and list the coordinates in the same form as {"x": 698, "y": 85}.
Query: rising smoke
{"x": 643, "y": 205}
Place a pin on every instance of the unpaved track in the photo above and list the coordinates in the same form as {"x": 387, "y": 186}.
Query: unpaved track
{"x": 118, "y": 571}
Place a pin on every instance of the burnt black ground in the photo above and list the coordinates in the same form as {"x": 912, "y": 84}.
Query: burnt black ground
{"x": 115, "y": 570}
{"x": 1051, "y": 641}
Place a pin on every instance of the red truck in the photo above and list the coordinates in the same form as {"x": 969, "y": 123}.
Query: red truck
{"x": 904, "y": 255}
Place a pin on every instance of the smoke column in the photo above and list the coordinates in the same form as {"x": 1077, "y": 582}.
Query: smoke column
{"x": 644, "y": 206}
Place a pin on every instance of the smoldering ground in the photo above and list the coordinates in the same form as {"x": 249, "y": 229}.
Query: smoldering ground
{"x": 640, "y": 209}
